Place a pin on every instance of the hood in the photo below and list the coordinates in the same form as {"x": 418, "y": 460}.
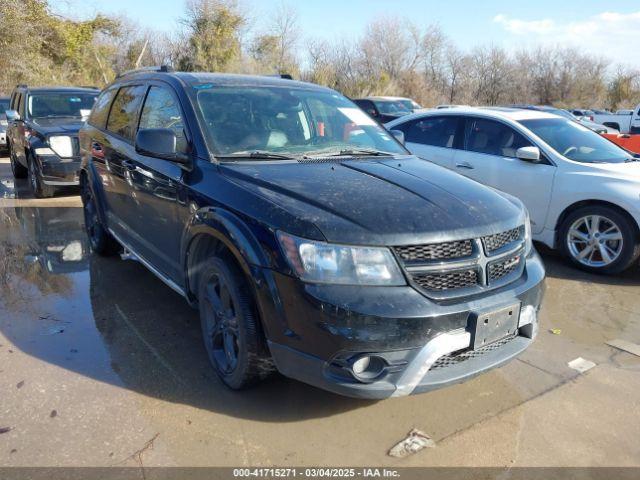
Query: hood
{"x": 62, "y": 125}
{"x": 624, "y": 170}
{"x": 398, "y": 201}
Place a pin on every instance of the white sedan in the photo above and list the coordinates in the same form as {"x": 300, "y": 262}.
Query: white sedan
{"x": 582, "y": 191}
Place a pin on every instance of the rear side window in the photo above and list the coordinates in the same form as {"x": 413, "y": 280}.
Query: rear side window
{"x": 161, "y": 111}
{"x": 100, "y": 112}
{"x": 123, "y": 117}
{"x": 493, "y": 138}
{"x": 435, "y": 131}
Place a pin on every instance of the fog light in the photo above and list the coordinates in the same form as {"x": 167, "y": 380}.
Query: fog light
{"x": 368, "y": 367}
{"x": 361, "y": 365}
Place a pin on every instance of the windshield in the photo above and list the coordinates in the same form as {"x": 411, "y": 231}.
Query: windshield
{"x": 576, "y": 142}
{"x": 392, "y": 107}
{"x": 287, "y": 121}
{"x": 57, "y": 104}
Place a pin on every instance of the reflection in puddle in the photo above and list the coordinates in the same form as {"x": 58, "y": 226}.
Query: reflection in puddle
{"x": 36, "y": 246}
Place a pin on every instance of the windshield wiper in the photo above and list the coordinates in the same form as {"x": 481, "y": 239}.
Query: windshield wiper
{"x": 259, "y": 154}
{"x": 357, "y": 152}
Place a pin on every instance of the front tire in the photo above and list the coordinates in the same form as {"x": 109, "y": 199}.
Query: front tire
{"x": 99, "y": 239}
{"x": 40, "y": 190}
{"x": 230, "y": 327}
{"x": 599, "y": 239}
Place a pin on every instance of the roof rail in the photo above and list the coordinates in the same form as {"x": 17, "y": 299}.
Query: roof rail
{"x": 162, "y": 68}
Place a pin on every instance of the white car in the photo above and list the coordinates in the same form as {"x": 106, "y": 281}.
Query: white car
{"x": 582, "y": 191}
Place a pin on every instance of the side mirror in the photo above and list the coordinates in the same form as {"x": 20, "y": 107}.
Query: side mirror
{"x": 159, "y": 143}
{"x": 528, "y": 154}
{"x": 398, "y": 135}
{"x": 12, "y": 115}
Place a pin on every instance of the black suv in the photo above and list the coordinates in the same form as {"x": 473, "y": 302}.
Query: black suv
{"x": 42, "y": 135}
{"x": 310, "y": 240}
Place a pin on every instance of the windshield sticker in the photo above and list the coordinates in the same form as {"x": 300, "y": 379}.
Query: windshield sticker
{"x": 75, "y": 99}
{"x": 357, "y": 116}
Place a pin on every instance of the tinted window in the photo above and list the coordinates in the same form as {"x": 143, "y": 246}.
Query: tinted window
{"x": 576, "y": 142}
{"x": 493, "y": 138}
{"x": 161, "y": 111}
{"x": 60, "y": 104}
{"x": 100, "y": 110}
{"x": 123, "y": 116}
{"x": 436, "y": 131}
{"x": 391, "y": 107}
{"x": 20, "y": 105}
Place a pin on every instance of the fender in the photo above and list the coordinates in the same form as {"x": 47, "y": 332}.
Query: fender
{"x": 230, "y": 230}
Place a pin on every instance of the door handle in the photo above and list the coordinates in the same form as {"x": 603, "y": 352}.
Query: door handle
{"x": 466, "y": 165}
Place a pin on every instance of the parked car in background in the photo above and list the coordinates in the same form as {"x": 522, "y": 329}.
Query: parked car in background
{"x": 583, "y": 114}
{"x": 566, "y": 114}
{"x": 409, "y": 103}
{"x": 599, "y": 111}
{"x": 625, "y": 121}
{"x": 382, "y": 109}
{"x": 581, "y": 189}
{"x": 42, "y": 135}
{"x": 440, "y": 107}
{"x": 4, "y": 106}
{"x": 311, "y": 241}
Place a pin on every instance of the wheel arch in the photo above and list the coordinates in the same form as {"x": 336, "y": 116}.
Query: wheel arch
{"x": 593, "y": 202}
{"x": 215, "y": 231}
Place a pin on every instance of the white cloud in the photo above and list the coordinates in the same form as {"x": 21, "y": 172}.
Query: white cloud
{"x": 612, "y": 34}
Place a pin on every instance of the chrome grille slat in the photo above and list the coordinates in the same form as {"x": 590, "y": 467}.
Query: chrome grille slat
{"x": 494, "y": 243}
{"x": 436, "y": 251}
{"x": 441, "y": 281}
{"x": 498, "y": 270}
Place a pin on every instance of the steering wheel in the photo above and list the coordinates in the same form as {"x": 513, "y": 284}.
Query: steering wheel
{"x": 569, "y": 150}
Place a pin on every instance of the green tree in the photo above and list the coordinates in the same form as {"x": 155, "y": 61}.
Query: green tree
{"x": 213, "y": 32}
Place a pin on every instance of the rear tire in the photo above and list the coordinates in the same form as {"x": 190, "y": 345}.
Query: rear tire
{"x": 100, "y": 240}
{"x": 230, "y": 325}
{"x": 19, "y": 172}
{"x": 599, "y": 239}
{"x": 40, "y": 190}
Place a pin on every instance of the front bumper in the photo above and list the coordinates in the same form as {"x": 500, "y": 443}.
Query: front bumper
{"x": 329, "y": 326}
{"x": 58, "y": 171}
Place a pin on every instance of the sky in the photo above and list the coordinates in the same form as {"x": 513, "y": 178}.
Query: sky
{"x": 611, "y": 29}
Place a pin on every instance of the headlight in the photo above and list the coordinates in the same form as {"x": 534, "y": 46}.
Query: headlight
{"x": 62, "y": 146}
{"x": 528, "y": 242}
{"x": 319, "y": 262}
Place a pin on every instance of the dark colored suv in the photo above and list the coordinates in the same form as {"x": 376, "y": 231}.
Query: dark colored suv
{"x": 310, "y": 240}
{"x": 42, "y": 135}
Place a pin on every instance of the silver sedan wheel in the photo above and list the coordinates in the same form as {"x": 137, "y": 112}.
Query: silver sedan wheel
{"x": 595, "y": 241}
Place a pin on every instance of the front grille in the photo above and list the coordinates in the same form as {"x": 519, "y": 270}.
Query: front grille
{"x": 439, "y": 282}
{"x": 458, "y": 357}
{"x": 497, "y": 270}
{"x": 435, "y": 251}
{"x": 450, "y": 269}
{"x": 493, "y": 243}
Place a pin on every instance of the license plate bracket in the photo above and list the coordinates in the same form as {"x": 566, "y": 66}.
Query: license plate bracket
{"x": 491, "y": 326}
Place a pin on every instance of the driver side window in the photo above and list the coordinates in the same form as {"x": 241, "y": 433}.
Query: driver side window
{"x": 161, "y": 111}
{"x": 493, "y": 138}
